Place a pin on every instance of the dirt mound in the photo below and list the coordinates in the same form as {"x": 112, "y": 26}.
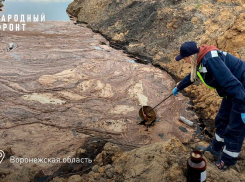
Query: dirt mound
{"x": 165, "y": 161}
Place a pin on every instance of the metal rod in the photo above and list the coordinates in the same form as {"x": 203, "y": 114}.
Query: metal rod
{"x": 159, "y": 103}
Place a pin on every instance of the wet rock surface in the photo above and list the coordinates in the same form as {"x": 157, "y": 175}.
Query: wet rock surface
{"x": 62, "y": 83}
{"x": 65, "y": 92}
{"x": 154, "y": 30}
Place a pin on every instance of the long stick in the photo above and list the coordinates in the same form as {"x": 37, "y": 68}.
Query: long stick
{"x": 159, "y": 103}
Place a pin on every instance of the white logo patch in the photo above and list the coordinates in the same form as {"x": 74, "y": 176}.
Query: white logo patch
{"x": 214, "y": 53}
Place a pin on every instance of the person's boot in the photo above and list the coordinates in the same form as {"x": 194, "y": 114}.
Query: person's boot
{"x": 221, "y": 165}
{"x": 216, "y": 154}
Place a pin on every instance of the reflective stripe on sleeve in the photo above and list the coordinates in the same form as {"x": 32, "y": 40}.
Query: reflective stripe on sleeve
{"x": 218, "y": 138}
{"x": 232, "y": 154}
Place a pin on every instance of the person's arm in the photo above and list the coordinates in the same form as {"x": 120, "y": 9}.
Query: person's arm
{"x": 185, "y": 82}
{"x": 227, "y": 80}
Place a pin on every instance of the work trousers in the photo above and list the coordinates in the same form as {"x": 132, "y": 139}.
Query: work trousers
{"x": 230, "y": 132}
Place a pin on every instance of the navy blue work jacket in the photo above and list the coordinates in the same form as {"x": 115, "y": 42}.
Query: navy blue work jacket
{"x": 224, "y": 72}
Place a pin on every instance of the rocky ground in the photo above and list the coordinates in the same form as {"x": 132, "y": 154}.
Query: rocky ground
{"x": 153, "y": 30}
{"x": 65, "y": 91}
{"x": 165, "y": 162}
{"x": 62, "y": 87}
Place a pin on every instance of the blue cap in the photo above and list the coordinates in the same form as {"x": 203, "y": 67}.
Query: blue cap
{"x": 187, "y": 49}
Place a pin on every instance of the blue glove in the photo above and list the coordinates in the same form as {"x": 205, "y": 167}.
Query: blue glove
{"x": 243, "y": 117}
{"x": 175, "y": 92}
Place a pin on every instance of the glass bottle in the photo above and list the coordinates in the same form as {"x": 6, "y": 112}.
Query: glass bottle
{"x": 196, "y": 167}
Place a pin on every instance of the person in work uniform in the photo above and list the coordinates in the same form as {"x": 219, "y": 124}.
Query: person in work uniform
{"x": 226, "y": 73}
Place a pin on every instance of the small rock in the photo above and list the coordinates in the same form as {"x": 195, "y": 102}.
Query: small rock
{"x": 161, "y": 135}
{"x": 94, "y": 175}
{"x": 197, "y": 140}
{"x": 108, "y": 166}
{"x": 102, "y": 180}
{"x": 183, "y": 129}
{"x": 110, "y": 173}
{"x": 56, "y": 179}
{"x": 74, "y": 133}
{"x": 111, "y": 148}
{"x": 101, "y": 169}
{"x": 215, "y": 21}
{"x": 80, "y": 151}
{"x": 95, "y": 168}
{"x": 75, "y": 178}
{"x": 11, "y": 46}
{"x": 8, "y": 152}
{"x": 118, "y": 169}
{"x": 98, "y": 48}
{"x": 203, "y": 143}
{"x": 100, "y": 157}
